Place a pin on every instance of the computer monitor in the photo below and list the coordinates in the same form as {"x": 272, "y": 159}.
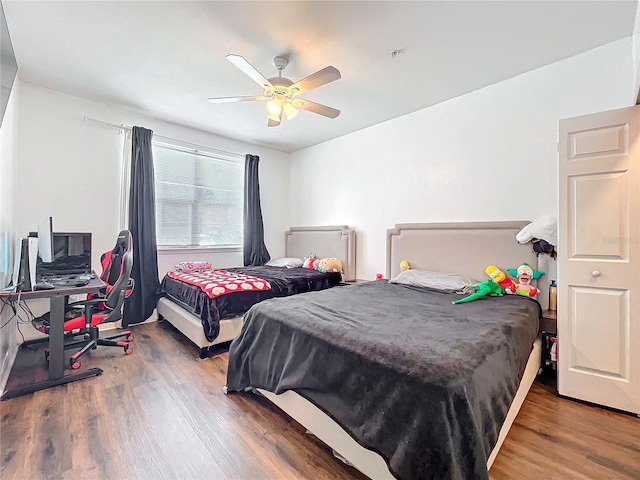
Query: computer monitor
{"x": 45, "y": 240}
{"x": 71, "y": 254}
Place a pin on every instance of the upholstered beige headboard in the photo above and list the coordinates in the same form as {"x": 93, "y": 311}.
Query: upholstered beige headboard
{"x": 338, "y": 241}
{"x": 463, "y": 248}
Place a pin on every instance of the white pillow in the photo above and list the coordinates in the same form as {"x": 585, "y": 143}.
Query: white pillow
{"x": 445, "y": 282}
{"x": 285, "y": 262}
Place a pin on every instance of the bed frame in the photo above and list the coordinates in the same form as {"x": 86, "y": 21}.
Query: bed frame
{"x": 463, "y": 248}
{"x": 337, "y": 240}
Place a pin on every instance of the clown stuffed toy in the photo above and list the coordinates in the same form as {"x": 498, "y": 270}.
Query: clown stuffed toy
{"x": 524, "y": 273}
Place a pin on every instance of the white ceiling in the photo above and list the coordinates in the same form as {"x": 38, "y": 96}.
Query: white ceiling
{"x": 165, "y": 58}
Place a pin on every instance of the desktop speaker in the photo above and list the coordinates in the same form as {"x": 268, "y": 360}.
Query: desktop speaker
{"x": 25, "y": 268}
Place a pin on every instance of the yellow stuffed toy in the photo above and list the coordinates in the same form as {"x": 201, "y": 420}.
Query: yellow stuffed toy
{"x": 501, "y": 279}
{"x": 330, "y": 265}
{"x": 404, "y": 265}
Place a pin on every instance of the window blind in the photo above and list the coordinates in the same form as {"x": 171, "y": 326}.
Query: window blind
{"x": 199, "y": 198}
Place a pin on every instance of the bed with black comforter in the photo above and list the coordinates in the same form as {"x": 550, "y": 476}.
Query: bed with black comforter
{"x": 424, "y": 383}
{"x": 283, "y": 281}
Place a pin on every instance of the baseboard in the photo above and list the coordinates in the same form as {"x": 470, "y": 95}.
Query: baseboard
{"x": 152, "y": 318}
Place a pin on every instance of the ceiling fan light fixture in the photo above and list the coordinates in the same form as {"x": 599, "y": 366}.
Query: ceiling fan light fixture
{"x": 274, "y": 117}
{"x": 280, "y": 92}
{"x": 290, "y": 110}
{"x": 274, "y": 107}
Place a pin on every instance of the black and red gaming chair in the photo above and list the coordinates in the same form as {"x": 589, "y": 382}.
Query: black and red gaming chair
{"x": 83, "y": 317}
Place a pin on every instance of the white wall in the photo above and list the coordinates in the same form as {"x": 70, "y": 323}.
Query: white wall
{"x": 70, "y": 169}
{"x": 8, "y": 160}
{"x": 487, "y": 155}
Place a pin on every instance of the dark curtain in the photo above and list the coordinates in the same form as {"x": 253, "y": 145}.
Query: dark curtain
{"x": 142, "y": 224}
{"x": 255, "y": 251}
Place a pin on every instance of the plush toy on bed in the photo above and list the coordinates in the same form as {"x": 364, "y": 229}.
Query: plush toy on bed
{"x": 311, "y": 261}
{"x": 488, "y": 287}
{"x": 501, "y": 279}
{"x": 192, "y": 267}
{"x": 525, "y": 274}
{"x": 329, "y": 265}
{"x": 404, "y": 266}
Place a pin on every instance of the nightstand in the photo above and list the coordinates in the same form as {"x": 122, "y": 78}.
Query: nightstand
{"x": 548, "y": 362}
{"x": 549, "y": 321}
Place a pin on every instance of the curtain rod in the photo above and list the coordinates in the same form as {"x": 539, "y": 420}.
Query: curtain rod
{"x": 194, "y": 146}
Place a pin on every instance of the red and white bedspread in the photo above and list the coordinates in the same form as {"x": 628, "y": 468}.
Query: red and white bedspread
{"x": 220, "y": 282}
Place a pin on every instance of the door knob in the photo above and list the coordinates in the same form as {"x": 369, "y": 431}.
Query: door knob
{"x": 595, "y": 273}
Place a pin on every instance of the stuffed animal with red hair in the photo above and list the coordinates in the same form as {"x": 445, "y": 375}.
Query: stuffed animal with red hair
{"x": 311, "y": 261}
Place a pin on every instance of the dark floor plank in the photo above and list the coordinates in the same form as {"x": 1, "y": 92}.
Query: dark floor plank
{"x": 161, "y": 414}
{"x": 554, "y": 437}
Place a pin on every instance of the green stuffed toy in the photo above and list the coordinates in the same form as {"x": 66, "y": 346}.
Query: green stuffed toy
{"x": 488, "y": 287}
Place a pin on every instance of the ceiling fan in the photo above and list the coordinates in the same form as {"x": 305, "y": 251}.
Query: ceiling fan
{"x": 281, "y": 93}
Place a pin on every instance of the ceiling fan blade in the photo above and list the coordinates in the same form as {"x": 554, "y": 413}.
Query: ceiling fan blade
{"x": 318, "y": 108}
{"x": 249, "y": 70}
{"x": 235, "y": 99}
{"x": 274, "y": 123}
{"x": 315, "y": 80}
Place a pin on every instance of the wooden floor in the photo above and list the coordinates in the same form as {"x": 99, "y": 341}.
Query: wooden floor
{"x": 160, "y": 414}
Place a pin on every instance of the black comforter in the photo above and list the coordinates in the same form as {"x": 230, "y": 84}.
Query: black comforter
{"x": 424, "y": 383}
{"x": 284, "y": 282}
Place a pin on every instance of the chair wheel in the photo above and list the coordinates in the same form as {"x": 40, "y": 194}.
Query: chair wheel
{"x": 75, "y": 365}
{"x": 130, "y": 338}
{"x": 128, "y": 351}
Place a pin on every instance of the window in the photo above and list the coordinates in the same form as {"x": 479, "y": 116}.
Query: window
{"x": 199, "y": 197}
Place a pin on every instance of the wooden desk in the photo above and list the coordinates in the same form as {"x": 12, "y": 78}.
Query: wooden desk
{"x": 56, "y": 298}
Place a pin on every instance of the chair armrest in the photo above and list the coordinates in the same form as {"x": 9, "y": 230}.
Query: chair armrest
{"x": 131, "y": 284}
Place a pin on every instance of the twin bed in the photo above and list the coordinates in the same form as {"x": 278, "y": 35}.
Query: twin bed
{"x": 397, "y": 380}
{"x": 210, "y": 321}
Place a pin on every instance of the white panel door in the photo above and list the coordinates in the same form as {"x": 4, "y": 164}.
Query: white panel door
{"x": 599, "y": 259}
